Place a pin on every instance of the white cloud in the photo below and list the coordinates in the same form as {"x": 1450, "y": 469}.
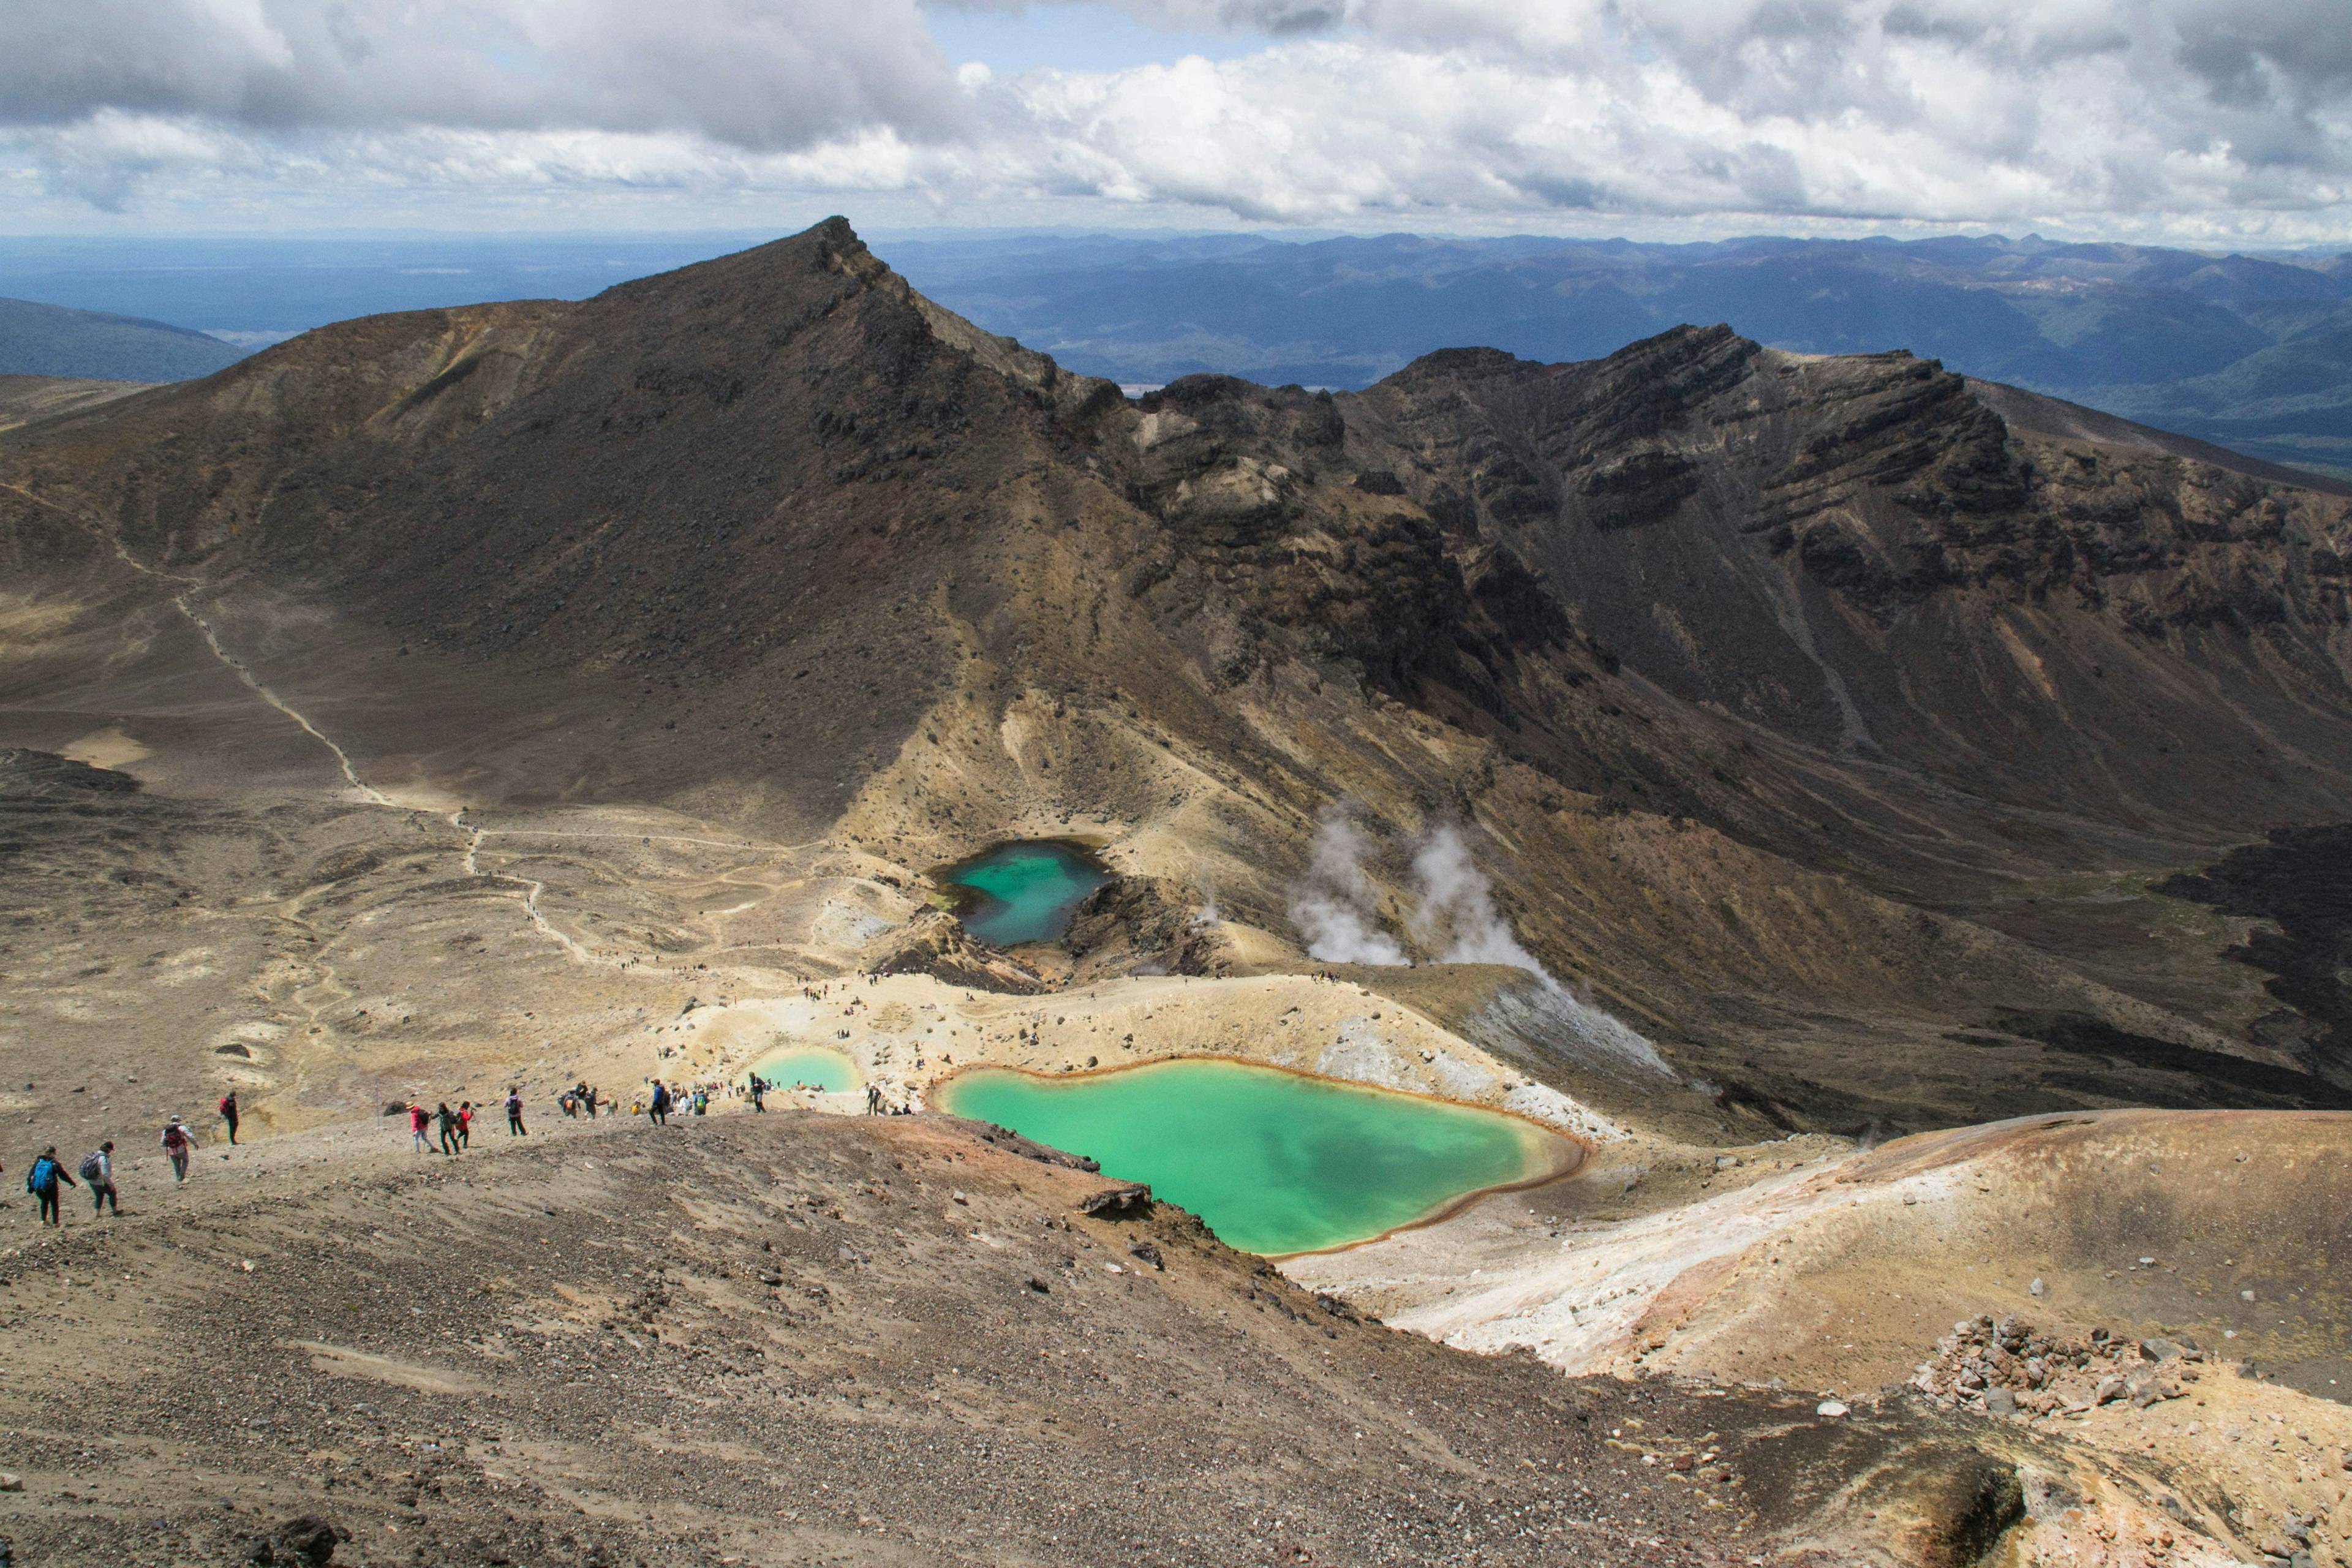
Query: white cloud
{"x": 761, "y": 75}
{"x": 2185, "y": 118}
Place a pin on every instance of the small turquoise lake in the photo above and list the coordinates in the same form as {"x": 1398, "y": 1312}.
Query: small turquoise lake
{"x": 1024, "y": 892}
{"x": 1274, "y": 1161}
{"x": 812, "y": 1065}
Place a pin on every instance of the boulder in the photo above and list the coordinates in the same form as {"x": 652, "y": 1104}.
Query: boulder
{"x": 306, "y": 1542}
{"x": 1127, "y": 1198}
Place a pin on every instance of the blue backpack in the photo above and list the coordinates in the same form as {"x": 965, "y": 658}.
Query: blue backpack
{"x": 43, "y": 1176}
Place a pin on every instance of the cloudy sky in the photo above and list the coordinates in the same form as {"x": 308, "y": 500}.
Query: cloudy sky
{"x": 2213, "y": 122}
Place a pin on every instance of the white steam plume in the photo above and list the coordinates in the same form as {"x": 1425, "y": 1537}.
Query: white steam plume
{"x": 1333, "y": 906}
{"x": 1453, "y": 917}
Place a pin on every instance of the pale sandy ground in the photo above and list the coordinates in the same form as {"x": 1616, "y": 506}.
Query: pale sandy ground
{"x": 907, "y": 1032}
{"x": 1832, "y": 1270}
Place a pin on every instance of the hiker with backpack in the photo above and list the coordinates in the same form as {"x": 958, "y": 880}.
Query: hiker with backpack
{"x": 419, "y": 1118}
{"x": 42, "y": 1181}
{"x": 448, "y": 1121}
{"x": 659, "y": 1108}
{"x": 759, "y": 1089}
{"x": 465, "y": 1125}
{"x": 97, "y": 1175}
{"x": 177, "y": 1141}
{"x": 228, "y": 1114}
{"x": 514, "y": 1110}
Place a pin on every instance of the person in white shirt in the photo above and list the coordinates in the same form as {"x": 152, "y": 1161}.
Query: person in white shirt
{"x": 97, "y": 1175}
{"x": 177, "y": 1141}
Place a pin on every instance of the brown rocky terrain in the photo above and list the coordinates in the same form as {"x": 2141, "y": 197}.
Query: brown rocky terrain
{"x": 798, "y": 1338}
{"x": 533, "y": 692}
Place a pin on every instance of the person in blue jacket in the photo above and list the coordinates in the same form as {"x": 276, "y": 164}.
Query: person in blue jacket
{"x": 42, "y": 1181}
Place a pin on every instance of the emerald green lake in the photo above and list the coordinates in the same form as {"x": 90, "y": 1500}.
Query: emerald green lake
{"x": 814, "y": 1066}
{"x": 1024, "y": 892}
{"x": 1273, "y": 1161}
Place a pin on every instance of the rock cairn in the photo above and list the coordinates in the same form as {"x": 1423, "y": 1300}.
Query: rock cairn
{"x": 2008, "y": 1366}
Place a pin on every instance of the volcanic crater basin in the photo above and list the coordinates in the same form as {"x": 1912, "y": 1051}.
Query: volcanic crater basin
{"x": 1275, "y": 1162}
{"x": 1025, "y": 891}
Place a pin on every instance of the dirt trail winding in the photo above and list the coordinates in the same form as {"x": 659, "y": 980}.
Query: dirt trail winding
{"x": 367, "y": 792}
{"x": 211, "y": 638}
{"x": 359, "y": 787}
{"x": 532, "y": 889}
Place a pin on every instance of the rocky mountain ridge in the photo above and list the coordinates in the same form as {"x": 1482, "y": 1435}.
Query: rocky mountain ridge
{"x": 1792, "y": 702}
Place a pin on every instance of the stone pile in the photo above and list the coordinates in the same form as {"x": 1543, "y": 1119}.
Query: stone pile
{"x": 2007, "y": 1367}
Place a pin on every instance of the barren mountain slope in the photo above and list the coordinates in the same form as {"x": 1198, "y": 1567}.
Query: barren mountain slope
{"x": 1802, "y": 711}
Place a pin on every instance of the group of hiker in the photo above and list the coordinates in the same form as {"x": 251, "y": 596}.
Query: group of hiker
{"x": 441, "y": 1129}
{"x": 456, "y": 1128}
{"x": 661, "y": 1099}
{"x": 47, "y": 1177}
{"x": 48, "y": 1174}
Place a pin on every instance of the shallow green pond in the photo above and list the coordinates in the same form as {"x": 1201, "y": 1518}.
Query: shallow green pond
{"x": 1024, "y": 892}
{"x": 814, "y": 1066}
{"x": 1274, "y": 1163}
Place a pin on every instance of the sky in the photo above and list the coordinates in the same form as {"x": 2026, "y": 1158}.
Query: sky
{"x": 2215, "y": 123}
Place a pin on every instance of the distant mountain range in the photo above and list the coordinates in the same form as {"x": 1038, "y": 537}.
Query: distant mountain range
{"x": 2253, "y": 353}
{"x": 98, "y": 345}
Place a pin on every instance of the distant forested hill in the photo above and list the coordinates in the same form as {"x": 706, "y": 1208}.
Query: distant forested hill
{"x": 2254, "y": 352}
{"x": 50, "y": 340}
